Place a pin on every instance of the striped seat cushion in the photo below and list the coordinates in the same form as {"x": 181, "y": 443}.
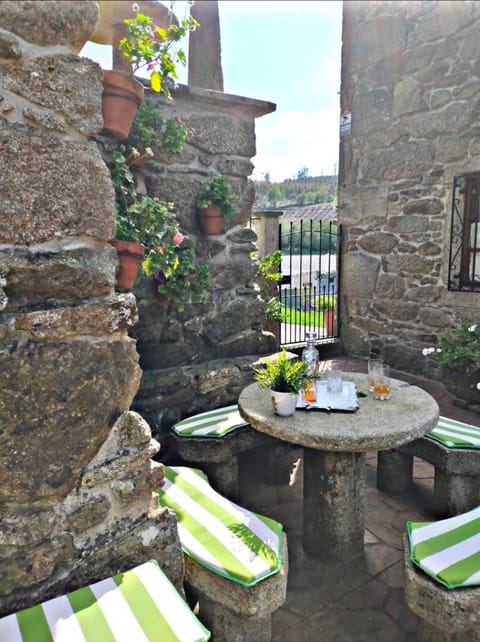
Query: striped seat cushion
{"x": 448, "y": 550}
{"x": 214, "y": 423}
{"x": 225, "y": 538}
{"x": 140, "y": 605}
{"x": 455, "y": 434}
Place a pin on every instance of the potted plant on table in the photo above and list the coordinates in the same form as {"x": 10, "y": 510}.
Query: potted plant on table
{"x": 214, "y": 201}
{"x": 458, "y": 352}
{"x": 285, "y": 379}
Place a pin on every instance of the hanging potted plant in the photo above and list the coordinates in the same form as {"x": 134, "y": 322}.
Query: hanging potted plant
{"x": 139, "y": 41}
{"x": 214, "y": 201}
{"x": 285, "y": 379}
{"x": 151, "y": 133}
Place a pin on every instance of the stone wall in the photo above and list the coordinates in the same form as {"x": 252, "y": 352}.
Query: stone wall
{"x": 411, "y": 79}
{"x": 76, "y": 469}
{"x": 201, "y": 358}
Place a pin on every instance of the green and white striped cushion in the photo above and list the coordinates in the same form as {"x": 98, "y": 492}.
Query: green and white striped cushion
{"x": 225, "y": 538}
{"x": 455, "y": 434}
{"x": 140, "y": 605}
{"x": 214, "y": 423}
{"x": 448, "y": 550}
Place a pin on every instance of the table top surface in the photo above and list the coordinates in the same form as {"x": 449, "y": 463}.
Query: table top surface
{"x": 376, "y": 425}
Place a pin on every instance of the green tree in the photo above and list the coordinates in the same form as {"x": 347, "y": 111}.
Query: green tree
{"x": 274, "y": 195}
{"x": 300, "y": 198}
{"x": 302, "y": 174}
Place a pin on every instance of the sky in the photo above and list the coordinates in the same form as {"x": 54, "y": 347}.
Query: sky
{"x": 286, "y": 52}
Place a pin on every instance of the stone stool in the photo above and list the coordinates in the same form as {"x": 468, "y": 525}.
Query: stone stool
{"x": 447, "y": 615}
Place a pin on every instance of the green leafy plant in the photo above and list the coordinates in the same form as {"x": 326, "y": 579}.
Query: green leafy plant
{"x": 151, "y": 47}
{"x": 281, "y": 374}
{"x": 148, "y": 220}
{"x": 267, "y": 277}
{"x": 215, "y": 190}
{"x": 458, "y": 347}
{"x": 326, "y": 302}
{"x": 150, "y": 129}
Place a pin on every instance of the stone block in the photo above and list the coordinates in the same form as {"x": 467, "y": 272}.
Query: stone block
{"x": 50, "y": 23}
{"x": 359, "y": 274}
{"x": 52, "y": 208}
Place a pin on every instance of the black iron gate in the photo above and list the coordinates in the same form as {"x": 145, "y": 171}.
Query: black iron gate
{"x": 308, "y": 291}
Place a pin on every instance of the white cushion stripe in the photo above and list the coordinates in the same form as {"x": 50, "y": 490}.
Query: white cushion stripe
{"x": 456, "y": 435}
{"x": 62, "y": 620}
{"x": 453, "y": 554}
{"x": 256, "y": 525}
{"x": 9, "y": 629}
{"x": 192, "y": 545}
{"x": 437, "y": 528}
{"x": 169, "y": 603}
{"x": 218, "y": 530}
{"x": 117, "y": 612}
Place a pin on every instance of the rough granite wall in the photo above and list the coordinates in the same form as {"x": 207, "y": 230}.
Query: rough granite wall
{"x": 201, "y": 358}
{"x": 76, "y": 469}
{"x": 411, "y": 79}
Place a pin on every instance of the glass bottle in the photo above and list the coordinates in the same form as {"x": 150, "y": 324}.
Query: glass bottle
{"x": 310, "y": 356}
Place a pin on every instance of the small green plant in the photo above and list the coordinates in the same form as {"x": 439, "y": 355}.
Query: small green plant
{"x": 215, "y": 190}
{"x": 281, "y": 374}
{"x": 267, "y": 278}
{"x": 326, "y": 302}
{"x": 152, "y": 47}
{"x": 152, "y": 130}
{"x": 458, "y": 347}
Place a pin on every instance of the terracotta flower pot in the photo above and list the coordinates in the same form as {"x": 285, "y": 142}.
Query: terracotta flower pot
{"x": 329, "y": 322}
{"x": 121, "y": 98}
{"x": 211, "y": 221}
{"x": 129, "y": 256}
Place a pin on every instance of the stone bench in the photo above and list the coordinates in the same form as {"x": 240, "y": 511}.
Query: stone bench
{"x": 457, "y": 472}
{"x": 442, "y": 577}
{"x": 236, "y": 562}
{"x": 218, "y": 456}
{"x": 139, "y": 604}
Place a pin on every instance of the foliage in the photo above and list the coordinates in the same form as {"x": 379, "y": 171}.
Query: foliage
{"x": 281, "y": 374}
{"x": 267, "y": 276}
{"x": 153, "y": 222}
{"x": 153, "y": 47}
{"x": 150, "y": 129}
{"x": 326, "y": 302}
{"x": 215, "y": 190}
{"x": 275, "y": 195}
{"x": 320, "y": 189}
{"x": 312, "y": 236}
{"x": 458, "y": 347}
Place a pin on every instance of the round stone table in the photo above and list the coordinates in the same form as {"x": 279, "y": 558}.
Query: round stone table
{"x": 334, "y": 455}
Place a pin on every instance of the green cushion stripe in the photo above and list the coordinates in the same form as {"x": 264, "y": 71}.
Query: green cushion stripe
{"x": 33, "y": 625}
{"x": 90, "y": 616}
{"x": 457, "y": 574}
{"x": 248, "y": 537}
{"x": 206, "y": 424}
{"x": 455, "y": 434}
{"x": 212, "y": 414}
{"x": 215, "y": 547}
{"x": 449, "y": 538}
{"x": 272, "y": 524}
{"x": 151, "y": 619}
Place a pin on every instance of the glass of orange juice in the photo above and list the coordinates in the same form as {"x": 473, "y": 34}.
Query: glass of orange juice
{"x": 375, "y": 366}
{"x": 381, "y": 384}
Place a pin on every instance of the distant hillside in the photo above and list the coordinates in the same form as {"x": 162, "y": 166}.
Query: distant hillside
{"x": 303, "y": 191}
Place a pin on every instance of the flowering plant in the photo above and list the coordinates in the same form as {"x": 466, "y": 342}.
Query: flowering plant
{"x": 458, "y": 347}
{"x": 147, "y": 45}
{"x": 154, "y": 223}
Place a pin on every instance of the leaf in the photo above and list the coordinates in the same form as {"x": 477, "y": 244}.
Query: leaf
{"x": 156, "y": 81}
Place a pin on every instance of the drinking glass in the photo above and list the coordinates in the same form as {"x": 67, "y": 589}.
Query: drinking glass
{"x": 375, "y": 366}
{"x": 381, "y": 384}
{"x": 334, "y": 379}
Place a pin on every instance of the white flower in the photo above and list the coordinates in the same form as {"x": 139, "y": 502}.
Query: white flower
{"x": 427, "y": 351}
{"x": 478, "y": 386}
{"x": 438, "y": 350}
{"x": 472, "y": 328}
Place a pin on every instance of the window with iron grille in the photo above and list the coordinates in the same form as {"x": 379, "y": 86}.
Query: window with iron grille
{"x": 464, "y": 263}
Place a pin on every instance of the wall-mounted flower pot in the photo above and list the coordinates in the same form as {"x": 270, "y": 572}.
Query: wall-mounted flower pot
{"x": 129, "y": 256}
{"x": 211, "y": 221}
{"x": 121, "y": 98}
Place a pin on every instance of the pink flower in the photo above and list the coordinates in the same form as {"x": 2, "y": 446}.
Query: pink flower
{"x": 150, "y": 66}
{"x": 178, "y": 238}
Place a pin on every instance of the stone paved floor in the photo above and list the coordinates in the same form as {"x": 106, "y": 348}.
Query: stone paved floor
{"x": 362, "y": 601}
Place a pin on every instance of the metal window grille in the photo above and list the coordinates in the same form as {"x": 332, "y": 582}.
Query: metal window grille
{"x": 464, "y": 260}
